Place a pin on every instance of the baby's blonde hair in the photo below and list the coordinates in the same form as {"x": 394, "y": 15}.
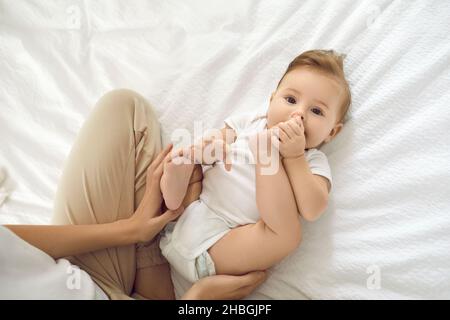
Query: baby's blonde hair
{"x": 328, "y": 62}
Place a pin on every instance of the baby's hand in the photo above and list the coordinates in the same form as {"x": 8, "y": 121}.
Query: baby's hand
{"x": 291, "y": 136}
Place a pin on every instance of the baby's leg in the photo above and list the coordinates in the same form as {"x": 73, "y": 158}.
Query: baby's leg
{"x": 249, "y": 248}
{"x": 261, "y": 245}
{"x": 195, "y": 186}
{"x": 175, "y": 182}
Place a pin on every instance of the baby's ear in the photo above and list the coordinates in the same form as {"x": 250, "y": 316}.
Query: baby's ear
{"x": 336, "y": 129}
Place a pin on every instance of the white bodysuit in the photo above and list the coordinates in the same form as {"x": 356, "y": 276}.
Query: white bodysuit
{"x": 227, "y": 200}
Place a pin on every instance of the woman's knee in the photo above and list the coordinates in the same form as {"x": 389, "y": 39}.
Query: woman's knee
{"x": 123, "y": 103}
{"x": 120, "y": 92}
{"x": 120, "y": 97}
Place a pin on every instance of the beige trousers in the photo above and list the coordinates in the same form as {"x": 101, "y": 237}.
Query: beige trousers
{"x": 103, "y": 180}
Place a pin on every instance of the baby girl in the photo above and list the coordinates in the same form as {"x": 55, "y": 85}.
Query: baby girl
{"x": 246, "y": 219}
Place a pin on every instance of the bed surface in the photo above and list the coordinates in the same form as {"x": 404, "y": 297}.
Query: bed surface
{"x": 386, "y": 233}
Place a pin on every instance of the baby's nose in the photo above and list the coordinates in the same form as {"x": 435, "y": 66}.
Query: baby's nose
{"x": 297, "y": 114}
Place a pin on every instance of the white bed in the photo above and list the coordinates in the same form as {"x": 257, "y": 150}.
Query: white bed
{"x": 386, "y": 233}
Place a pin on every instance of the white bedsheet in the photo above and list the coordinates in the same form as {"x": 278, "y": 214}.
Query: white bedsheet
{"x": 386, "y": 233}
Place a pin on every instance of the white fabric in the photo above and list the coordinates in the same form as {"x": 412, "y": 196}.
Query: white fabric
{"x": 206, "y": 59}
{"x": 29, "y": 273}
{"x": 227, "y": 200}
{"x": 185, "y": 249}
{"x": 4, "y": 192}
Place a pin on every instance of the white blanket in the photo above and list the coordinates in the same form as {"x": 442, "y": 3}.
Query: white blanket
{"x": 29, "y": 273}
{"x": 386, "y": 233}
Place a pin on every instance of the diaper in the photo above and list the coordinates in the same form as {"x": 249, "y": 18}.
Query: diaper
{"x": 185, "y": 243}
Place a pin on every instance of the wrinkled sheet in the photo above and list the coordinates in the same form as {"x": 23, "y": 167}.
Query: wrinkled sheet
{"x": 386, "y": 233}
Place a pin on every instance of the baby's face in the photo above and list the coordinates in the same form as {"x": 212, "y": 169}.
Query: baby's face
{"x": 313, "y": 96}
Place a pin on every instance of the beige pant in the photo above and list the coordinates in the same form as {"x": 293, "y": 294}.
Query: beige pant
{"x": 104, "y": 180}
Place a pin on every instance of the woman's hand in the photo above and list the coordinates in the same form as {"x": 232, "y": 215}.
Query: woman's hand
{"x": 225, "y": 287}
{"x": 147, "y": 220}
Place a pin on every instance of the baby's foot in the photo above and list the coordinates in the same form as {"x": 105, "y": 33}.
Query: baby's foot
{"x": 174, "y": 182}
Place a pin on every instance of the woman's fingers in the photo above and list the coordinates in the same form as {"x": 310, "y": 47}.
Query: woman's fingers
{"x": 251, "y": 281}
{"x": 158, "y": 160}
{"x": 155, "y": 171}
{"x": 161, "y": 156}
{"x": 253, "y": 278}
{"x": 169, "y": 215}
{"x": 150, "y": 225}
{"x": 225, "y": 287}
{"x": 157, "y": 174}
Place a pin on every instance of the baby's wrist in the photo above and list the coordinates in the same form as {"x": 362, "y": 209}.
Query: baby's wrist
{"x": 296, "y": 157}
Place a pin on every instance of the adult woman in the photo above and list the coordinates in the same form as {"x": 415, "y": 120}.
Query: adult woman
{"x": 113, "y": 171}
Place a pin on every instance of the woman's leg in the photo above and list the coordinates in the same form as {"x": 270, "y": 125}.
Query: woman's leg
{"x": 104, "y": 180}
{"x": 150, "y": 281}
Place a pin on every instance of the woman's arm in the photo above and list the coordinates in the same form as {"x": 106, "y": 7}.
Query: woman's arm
{"x": 67, "y": 240}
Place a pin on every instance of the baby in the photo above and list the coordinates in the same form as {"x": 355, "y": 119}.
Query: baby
{"x": 246, "y": 218}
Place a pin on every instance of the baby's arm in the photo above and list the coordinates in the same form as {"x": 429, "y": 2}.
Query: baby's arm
{"x": 310, "y": 190}
{"x": 261, "y": 245}
{"x": 176, "y": 176}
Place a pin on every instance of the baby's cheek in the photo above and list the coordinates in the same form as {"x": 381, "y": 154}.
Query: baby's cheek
{"x": 314, "y": 139}
{"x": 274, "y": 119}
{"x": 279, "y": 114}
{"x": 307, "y": 142}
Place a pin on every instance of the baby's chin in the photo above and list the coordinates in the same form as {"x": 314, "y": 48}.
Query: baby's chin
{"x": 313, "y": 145}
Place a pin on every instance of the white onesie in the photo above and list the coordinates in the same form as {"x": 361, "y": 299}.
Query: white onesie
{"x": 227, "y": 200}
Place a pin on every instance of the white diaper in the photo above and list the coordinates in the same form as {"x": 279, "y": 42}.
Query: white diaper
{"x": 185, "y": 243}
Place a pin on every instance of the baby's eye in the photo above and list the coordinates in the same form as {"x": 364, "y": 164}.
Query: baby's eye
{"x": 317, "y": 111}
{"x": 291, "y": 100}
